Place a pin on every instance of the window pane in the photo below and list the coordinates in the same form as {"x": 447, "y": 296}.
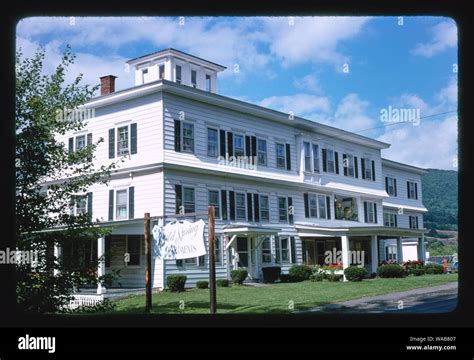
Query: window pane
{"x": 122, "y": 140}
{"x": 322, "y": 206}
{"x": 240, "y": 206}
{"x": 188, "y": 137}
{"x": 282, "y": 209}
{"x": 239, "y": 149}
{"x": 307, "y": 157}
{"x": 313, "y": 205}
{"x": 330, "y": 160}
{"x": 280, "y": 155}
{"x": 212, "y": 142}
{"x": 80, "y": 142}
{"x": 315, "y": 158}
{"x": 264, "y": 210}
{"x": 188, "y": 198}
{"x": 262, "y": 151}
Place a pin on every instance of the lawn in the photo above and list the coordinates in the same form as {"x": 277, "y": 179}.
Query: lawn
{"x": 275, "y": 298}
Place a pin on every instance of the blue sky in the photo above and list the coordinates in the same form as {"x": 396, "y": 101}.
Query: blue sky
{"x": 296, "y": 64}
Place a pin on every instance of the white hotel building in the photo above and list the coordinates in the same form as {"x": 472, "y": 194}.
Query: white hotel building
{"x": 314, "y": 187}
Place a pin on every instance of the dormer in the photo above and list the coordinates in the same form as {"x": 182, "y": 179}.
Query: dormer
{"x": 177, "y": 66}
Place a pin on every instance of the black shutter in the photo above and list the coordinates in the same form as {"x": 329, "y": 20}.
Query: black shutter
{"x": 373, "y": 170}
{"x": 131, "y": 202}
{"x": 224, "y": 204}
{"x": 290, "y": 210}
{"x": 253, "y": 151}
{"x": 395, "y": 186}
{"x": 111, "y": 205}
{"x": 249, "y": 207}
{"x": 222, "y": 142}
{"x": 288, "y": 157}
{"x": 362, "y": 165}
{"x": 345, "y": 165}
{"x": 89, "y": 205}
{"x": 365, "y": 211}
{"x": 248, "y": 148}
{"x": 256, "y": 207}
{"x": 336, "y": 156}
{"x": 386, "y": 184}
{"x": 230, "y": 143}
{"x": 328, "y": 205}
{"x": 178, "y": 189}
{"x": 416, "y": 221}
{"x": 375, "y": 213}
{"x": 71, "y": 145}
{"x": 356, "y": 166}
{"x": 416, "y": 191}
{"x": 306, "y": 205}
{"x": 111, "y": 143}
{"x": 396, "y": 225}
{"x": 133, "y": 138}
{"x": 177, "y": 136}
{"x": 293, "y": 249}
{"x": 408, "y": 190}
{"x": 324, "y": 160}
{"x": 232, "y": 205}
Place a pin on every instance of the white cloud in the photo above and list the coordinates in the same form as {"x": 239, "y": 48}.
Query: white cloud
{"x": 351, "y": 114}
{"x": 444, "y": 36}
{"x": 300, "y": 105}
{"x": 449, "y": 95}
{"x": 308, "y": 83}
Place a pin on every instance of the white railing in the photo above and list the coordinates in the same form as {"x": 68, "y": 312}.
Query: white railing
{"x": 85, "y": 300}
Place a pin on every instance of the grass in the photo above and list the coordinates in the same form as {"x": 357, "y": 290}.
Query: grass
{"x": 274, "y": 298}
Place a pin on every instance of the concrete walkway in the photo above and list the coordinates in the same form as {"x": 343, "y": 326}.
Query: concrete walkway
{"x": 436, "y": 299}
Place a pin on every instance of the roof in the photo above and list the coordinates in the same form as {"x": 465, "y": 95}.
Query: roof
{"x": 176, "y": 52}
{"x": 401, "y": 166}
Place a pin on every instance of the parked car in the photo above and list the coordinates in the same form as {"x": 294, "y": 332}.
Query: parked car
{"x": 453, "y": 267}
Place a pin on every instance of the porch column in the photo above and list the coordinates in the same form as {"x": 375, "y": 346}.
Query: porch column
{"x": 374, "y": 249}
{"x": 257, "y": 259}
{"x": 399, "y": 249}
{"x": 345, "y": 253}
{"x": 101, "y": 264}
{"x": 57, "y": 255}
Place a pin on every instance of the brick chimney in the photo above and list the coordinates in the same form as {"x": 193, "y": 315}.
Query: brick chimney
{"x": 107, "y": 84}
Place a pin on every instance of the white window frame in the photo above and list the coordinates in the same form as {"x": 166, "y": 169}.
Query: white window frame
{"x": 208, "y": 85}
{"x": 263, "y": 152}
{"x": 243, "y": 144}
{"x": 368, "y": 168}
{"x": 183, "y": 123}
{"x": 74, "y": 208}
{"x": 389, "y": 219}
{"x": 194, "y": 84}
{"x": 370, "y": 211}
{"x": 84, "y": 136}
{"x": 411, "y": 189}
{"x": 218, "y": 212}
{"x": 412, "y": 218}
{"x": 267, "y": 210}
{"x": 318, "y": 206}
{"x": 116, "y": 203}
{"x": 286, "y": 220}
{"x": 217, "y": 141}
{"x": 391, "y": 252}
{"x": 283, "y": 145}
{"x": 287, "y": 250}
{"x": 180, "y": 81}
{"x": 307, "y": 156}
{"x": 392, "y": 181}
{"x": 159, "y": 72}
{"x": 219, "y": 250}
{"x": 240, "y": 208}
{"x": 350, "y": 165}
{"x": 145, "y": 75}
{"x": 122, "y": 152}
{"x": 183, "y": 202}
{"x": 313, "y": 157}
{"x": 266, "y": 252}
{"x": 332, "y": 162}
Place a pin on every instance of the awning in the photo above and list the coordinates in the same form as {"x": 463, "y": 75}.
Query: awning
{"x": 404, "y": 207}
{"x": 308, "y": 231}
{"x": 250, "y": 230}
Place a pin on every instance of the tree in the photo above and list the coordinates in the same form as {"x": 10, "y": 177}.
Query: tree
{"x": 47, "y": 179}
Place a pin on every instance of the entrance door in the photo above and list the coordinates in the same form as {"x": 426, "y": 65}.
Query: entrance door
{"x": 243, "y": 251}
{"x": 310, "y": 252}
{"x": 320, "y": 249}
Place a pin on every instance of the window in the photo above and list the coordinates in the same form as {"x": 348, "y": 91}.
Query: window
{"x": 411, "y": 190}
{"x": 330, "y": 160}
{"x": 215, "y": 201}
{"x": 370, "y": 206}
{"x": 239, "y": 146}
{"x": 133, "y": 249}
{"x": 345, "y": 208}
{"x": 212, "y": 142}
{"x": 218, "y": 250}
{"x": 413, "y": 220}
{"x": 144, "y": 75}
{"x": 391, "y": 252}
{"x": 188, "y": 137}
{"x": 262, "y": 152}
{"x": 315, "y": 158}
{"x": 390, "y": 219}
{"x": 390, "y": 186}
{"x": 367, "y": 168}
{"x": 264, "y": 208}
{"x": 280, "y": 156}
{"x": 161, "y": 72}
{"x": 81, "y": 205}
{"x": 266, "y": 251}
{"x": 313, "y": 205}
{"x": 240, "y": 206}
{"x": 191, "y": 261}
{"x": 178, "y": 74}
{"x": 318, "y": 206}
{"x": 193, "y": 78}
{"x": 348, "y": 164}
{"x": 285, "y": 249}
{"x": 282, "y": 209}
{"x": 307, "y": 156}
{"x": 122, "y": 140}
{"x": 80, "y": 142}
{"x": 322, "y": 206}
{"x": 188, "y": 200}
{"x": 121, "y": 204}
{"x": 208, "y": 82}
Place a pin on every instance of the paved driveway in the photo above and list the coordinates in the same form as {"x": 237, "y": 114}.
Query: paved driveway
{"x": 436, "y": 299}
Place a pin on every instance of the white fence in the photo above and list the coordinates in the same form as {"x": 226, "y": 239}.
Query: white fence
{"x": 85, "y": 300}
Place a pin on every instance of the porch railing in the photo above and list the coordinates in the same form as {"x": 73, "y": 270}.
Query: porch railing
{"x": 84, "y": 300}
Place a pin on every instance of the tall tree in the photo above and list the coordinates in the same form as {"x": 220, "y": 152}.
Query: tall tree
{"x": 48, "y": 177}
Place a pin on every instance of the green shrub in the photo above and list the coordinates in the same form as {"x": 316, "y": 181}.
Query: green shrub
{"x": 302, "y": 271}
{"x": 391, "y": 271}
{"x": 222, "y": 283}
{"x": 238, "y": 276}
{"x": 334, "y": 277}
{"x": 355, "y": 273}
{"x": 176, "y": 282}
{"x": 316, "y": 277}
{"x": 287, "y": 278}
{"x": 271, "y": 274}
{"x": 202, "y": 284}
{"x": 434, "y": 269}
{"x": 418, "y": 272}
